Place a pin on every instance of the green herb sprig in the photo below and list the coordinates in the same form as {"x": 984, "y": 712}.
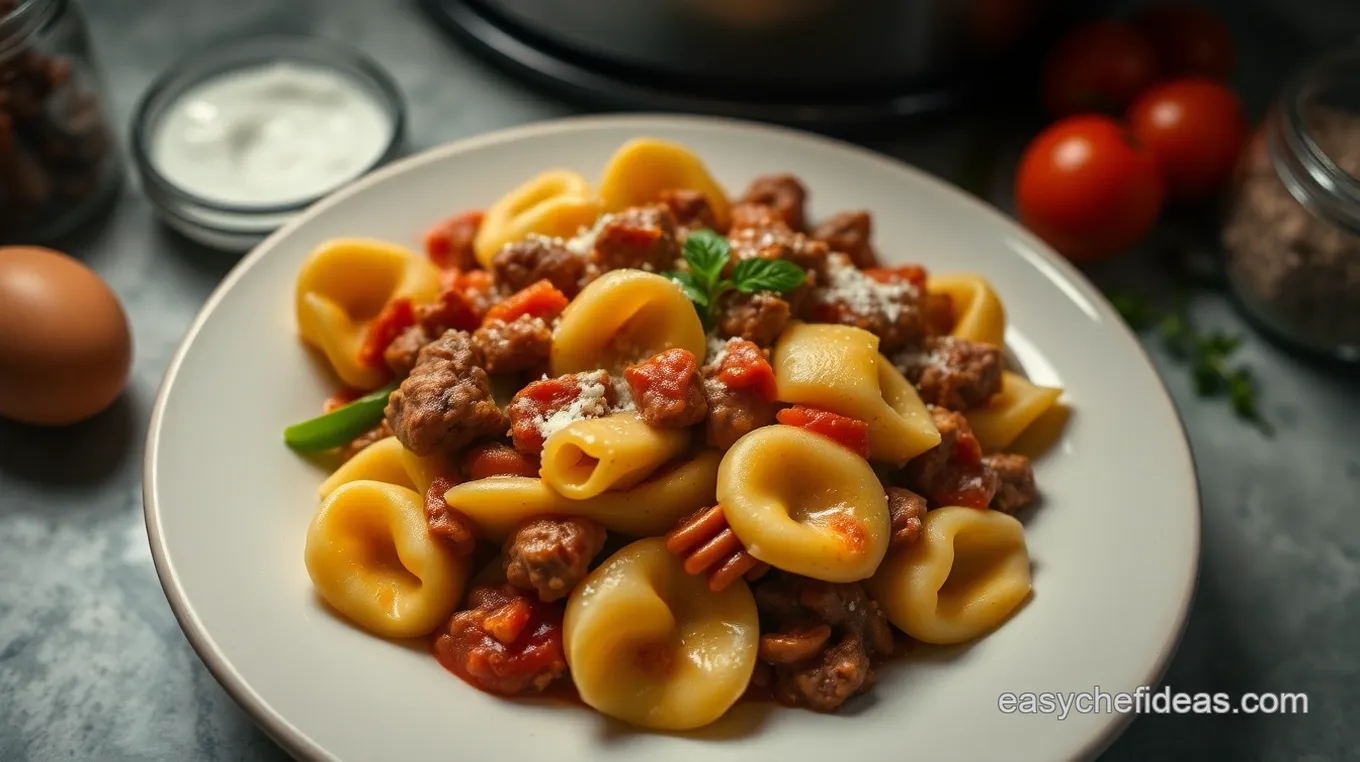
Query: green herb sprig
{"x": 1208, "y": 354}
{"x": 708, "y": 253}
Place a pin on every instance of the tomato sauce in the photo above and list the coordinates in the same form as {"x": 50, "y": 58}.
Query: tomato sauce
{"x": 396, "y": 316}
{"x": 848, "y": 432}
{"x": 498, "y": 459}
{"x": 449, "y": 242}
{"x": 540, "y": 300}
{"x": 667, "y": 375}
{"x": 508, "y": 643}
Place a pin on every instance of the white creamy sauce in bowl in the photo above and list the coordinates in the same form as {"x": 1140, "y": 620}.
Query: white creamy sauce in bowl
{"x": 270, "y": 135}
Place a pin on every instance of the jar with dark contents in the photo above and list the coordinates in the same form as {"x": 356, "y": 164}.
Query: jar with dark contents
{"x": 1292, "y": 232}
{"x": 58, "y": 160}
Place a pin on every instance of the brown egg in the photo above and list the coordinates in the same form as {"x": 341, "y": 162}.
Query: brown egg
{"x": 65, "y": 348}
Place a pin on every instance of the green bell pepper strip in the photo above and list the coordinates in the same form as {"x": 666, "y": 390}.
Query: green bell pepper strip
{"x": 340, "y": 425}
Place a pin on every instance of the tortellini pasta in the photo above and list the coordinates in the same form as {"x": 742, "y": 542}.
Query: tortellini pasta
{"x": 1010, "y": 411}
{"x": 344, "y": 284}
{"x": 388, "y": 461}
{"x": 643, "y": 168}
{"x": 556, "y": 203}
{"x": 624, "y": 317}
{"x": 964, "y": 576}
{"x": 653, "y": 646}
{"x": 500, "y": 503}
{"x": 839, "y": 368}
{"x": 591, "y": 456}
{"x": 978, "y": 312}
{"x": 803, "y": 503}
{"x": 372, "y": 558}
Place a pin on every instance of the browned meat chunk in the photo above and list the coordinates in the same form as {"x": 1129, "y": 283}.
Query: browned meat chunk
{"x": 1015, "y": 487}
{"x": 954, "y": 373}
{"x": 951, "y": 473}
{"x": 521, "y": 264}
{"x": 641, "y": 238}
{"x": 666, "y": 389}
{"x": 778, "y": 243}
{"x": 783, "y": 193}
{"x": 732, "y": 413}
{"x": 906, "y": 509}
{"x": 520, "y": 344}
{"x": 691, "y": 211}
{"x": 401, "y": 354}
{"x": 541, "y": 408}
{"x": 551, "y": 555}
{"x": 448, "y": 524}
{"x": 756, "y": 217}
{"x": 850, "y": 233}
{"x": 890, "y": 308}
{"x": 758, "y": 317}
{"x": 820, "y": 638}
{"x": 446, "y": 401}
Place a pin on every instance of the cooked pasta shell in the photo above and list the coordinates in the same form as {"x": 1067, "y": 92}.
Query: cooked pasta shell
{"x": 641, "y": 169}
{"x": 964, "y": 576}
{"x": 591, "y": 456}
{"x": 1009, "y": 412}
{"x": 388, "y": 461}
{"x": 499, "y": 503}
{"x": 622, "y": 318}
{"x": 344, "y": 284}
{"x": 979, "y": 314}
{"x": 371, "y": 557}
{"x": 803, "y": 503}
{"x": 556, "y": 204}
{"x": 653, "y": 646}
{"x": 839, "y": 368}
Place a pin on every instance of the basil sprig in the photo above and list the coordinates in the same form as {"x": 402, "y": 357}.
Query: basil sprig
{"x": 707, "y": 254}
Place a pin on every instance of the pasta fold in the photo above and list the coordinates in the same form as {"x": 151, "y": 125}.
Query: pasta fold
{"x": 556, "y": 204}
{"x": 500, "y": 503}
{"x": 1009, "y": 412}
{"x": 964, "y": 576}
{"x": 653, "y": 646}
{"x": 592, "y": 456}
{"x": 839, "y": 368}
{"x": 624, "y": 317}
{"x": 371, "y": 557}
{"x": 803, "y": 503}
{"x": 979, "y": 314}
{"x": 642, "y": 168}
{"x": 344, "y": 284}
{"x": 389, "y": 462}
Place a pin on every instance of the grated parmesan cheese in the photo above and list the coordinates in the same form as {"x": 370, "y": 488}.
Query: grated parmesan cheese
{"x": 717, "y": 348}
{"x": 583, "y": 242}
{"x": 589, "y": 403}
{"x": 861, "y": 294}
{"x": 624, "y": 394}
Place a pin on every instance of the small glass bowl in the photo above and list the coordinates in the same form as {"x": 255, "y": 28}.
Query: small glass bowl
{"x": 238, "y": 227}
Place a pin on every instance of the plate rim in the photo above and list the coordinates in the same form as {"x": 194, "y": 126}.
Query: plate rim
{"x": 300, "y": 746}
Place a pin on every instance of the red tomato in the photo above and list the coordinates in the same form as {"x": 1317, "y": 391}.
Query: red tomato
{"x": 1190, "y": 41}
{"x": 1084, "y": 187}
{"x": 1101, "y": 66}
{"x": 1195, "y": 130}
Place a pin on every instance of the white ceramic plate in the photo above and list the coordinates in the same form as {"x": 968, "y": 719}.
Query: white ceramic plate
{"x": 1114, "y": 545}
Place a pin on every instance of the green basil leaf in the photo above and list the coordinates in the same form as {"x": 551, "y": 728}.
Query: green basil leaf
{"x": 778, "y": 275}
{"x": 693, "y": 288}
{"x": 707, "y": 254}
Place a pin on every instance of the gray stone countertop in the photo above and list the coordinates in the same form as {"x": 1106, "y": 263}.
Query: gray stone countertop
{"x": 94, "y": 667}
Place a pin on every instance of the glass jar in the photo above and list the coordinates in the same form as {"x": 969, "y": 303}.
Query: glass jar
{"x": 58, "y": 157}
{"x": 1291, "y": 236}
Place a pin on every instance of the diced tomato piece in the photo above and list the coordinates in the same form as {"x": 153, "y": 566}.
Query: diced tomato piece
{"x": 506, "y": 643}
{"x": 340, "y": 399}
{"x": 540, "y": 300}
{"x": 498, "y": 459}
{"x": 666, "y": 375}
{"x": 539, "y": 400}
{"x": 395, "y": 317}
{"x": 913, "y": 274}
{"x": 745, "y": 367}
{"x": 448, "y": 243}
{"x": 851, "y": 433}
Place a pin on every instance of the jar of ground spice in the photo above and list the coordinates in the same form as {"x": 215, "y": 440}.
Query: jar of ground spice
{"x": 1292, "y": 232}
{"x": 58, "y": 159}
